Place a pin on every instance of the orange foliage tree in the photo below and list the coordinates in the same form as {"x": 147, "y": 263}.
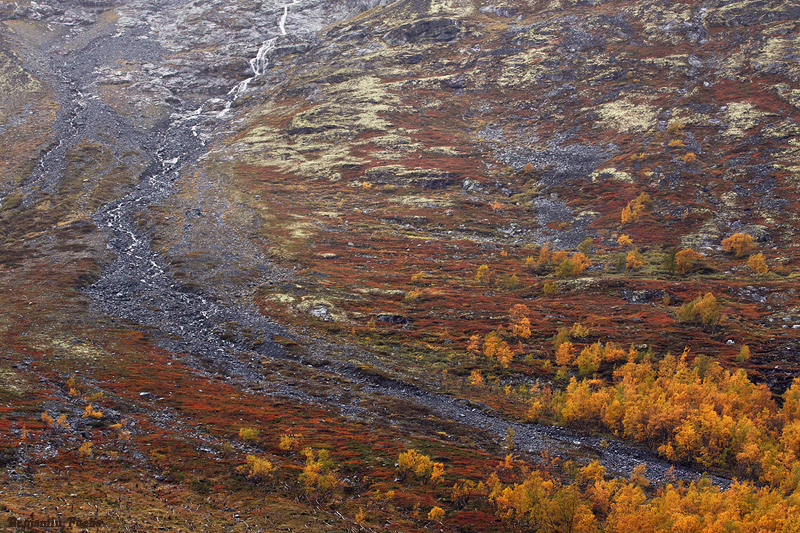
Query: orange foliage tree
{"x": 530, "y": 262}
{"x": 476, "y": 378}
{"x": 482, "y": 274}
{"x": 633, "y": 211}
{"x": 545, "y": 254}
{"x": 740, "y": 244}
{"x": 594, "y": 503}
{"x": 520, "y": 324}
{"x": 703, "y": 310}
{"x": 474, "y": 345}
{"x": 634, "y": 260}
{"x": 758, "y": 264}
{"x": 497, "y": 349}
{"x": 700, "y": 412}
{"x": 504, "y": 355}
{"x": 685, "y": 260}
{"x": 565, "y": 353}
{"x": 573, "y": 266}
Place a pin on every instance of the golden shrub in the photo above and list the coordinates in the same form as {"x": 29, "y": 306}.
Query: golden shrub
{"x": 256, "y": 468}
{"x": 436, "y": 514}
{"x": 249, "y": 434}
{"x": 420, "y": 466}
{"x": 289, "y": 443}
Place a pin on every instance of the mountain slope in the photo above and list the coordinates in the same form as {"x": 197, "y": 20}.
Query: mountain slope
{"x": 336, "y": 244}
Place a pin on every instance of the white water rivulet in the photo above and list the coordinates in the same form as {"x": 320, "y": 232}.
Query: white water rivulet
{"x": 259, "y": 63}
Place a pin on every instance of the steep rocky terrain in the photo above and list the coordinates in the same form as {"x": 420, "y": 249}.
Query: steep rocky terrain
{"x": 309, "y": 218}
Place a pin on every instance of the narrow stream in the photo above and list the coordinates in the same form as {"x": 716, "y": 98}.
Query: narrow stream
{"x": 260, "y": 62}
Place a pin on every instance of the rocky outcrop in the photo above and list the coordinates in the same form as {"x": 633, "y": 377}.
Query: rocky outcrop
{"x": 433, "y": 29}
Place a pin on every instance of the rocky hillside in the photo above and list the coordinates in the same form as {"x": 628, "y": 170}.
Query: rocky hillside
{"x": 231, "y": 231}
